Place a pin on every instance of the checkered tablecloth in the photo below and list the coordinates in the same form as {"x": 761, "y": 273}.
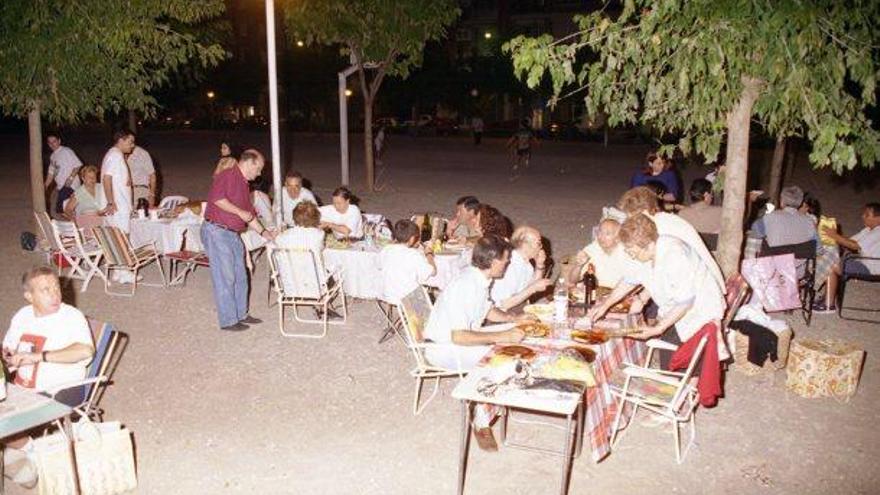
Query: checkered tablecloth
{"x": 601, "y": 405}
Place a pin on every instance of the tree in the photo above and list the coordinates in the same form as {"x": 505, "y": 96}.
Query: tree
{"x": 704, "y": 69}
{"x": 389, "y": 33}
{"x": 67, "y": 60}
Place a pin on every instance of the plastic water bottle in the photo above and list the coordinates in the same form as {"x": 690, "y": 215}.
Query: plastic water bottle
{"x": 560, "y": 300}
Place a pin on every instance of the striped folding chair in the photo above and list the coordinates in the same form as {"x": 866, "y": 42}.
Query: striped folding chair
{"x": 121, "y": 257}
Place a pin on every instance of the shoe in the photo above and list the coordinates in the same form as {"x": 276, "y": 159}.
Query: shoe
{"x": 485, "y": 439}
{"x": 26, "y": 477}
{"x": 238, "y": 327}
{"x": 821, "y": 308}
{"x": 250, "y": 320}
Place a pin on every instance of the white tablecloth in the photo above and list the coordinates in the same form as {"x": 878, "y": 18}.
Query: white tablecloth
{"x": 362, "y": 277}
{"x": 168, "y": 234}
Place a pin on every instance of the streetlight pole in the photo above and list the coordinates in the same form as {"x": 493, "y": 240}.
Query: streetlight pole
{"x": 273, "y": 109}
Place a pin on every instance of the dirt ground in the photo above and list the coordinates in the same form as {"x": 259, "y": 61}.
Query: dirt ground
{"x": 254, "y": 412}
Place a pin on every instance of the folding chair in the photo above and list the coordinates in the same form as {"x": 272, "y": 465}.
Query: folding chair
{"x": 109, "y": 344}
{"x": 299, "y": 279}
{"x": 84, "y": 257}
{"x": 50, "y": 244}
{"x": 254, "y": 246}
{"x": 804, "y": 253}
{"x": 182, "y": 263}
{"x": 851, "y": 275}
{"x": 668, "y": 394}
{"x": 120, "y": 256}
{"x": 414, "y": 311}
{"x": 171, "y": 202}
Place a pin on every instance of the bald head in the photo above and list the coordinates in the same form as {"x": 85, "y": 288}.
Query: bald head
{"x": 526, "y": 240}
{"x": 608, "y": 235}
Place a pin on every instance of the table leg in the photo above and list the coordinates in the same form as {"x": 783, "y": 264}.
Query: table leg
{"x": 579, "y": 429}
{"x": 567, "y": 455}
{"x": 68, "y": 429}
{"x": 466, "y": 408}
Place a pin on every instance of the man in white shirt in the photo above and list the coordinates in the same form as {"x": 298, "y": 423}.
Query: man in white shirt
{"x": 642, "y": 200}
{"x": 521, "y": 280}
{"x": 865, "y": 243}
{"x": 342, "y": 218}
{"x": 143, "y": 175}
{"x": 606, "y": 254}
{"x": 63, "y": 170}
{"x": 50, "y": 344}
{"x": 293, "y": 194}
{"x": 674, "y": 276}
{"x": 116, "y": 180}
{"x": 404, "y": 266}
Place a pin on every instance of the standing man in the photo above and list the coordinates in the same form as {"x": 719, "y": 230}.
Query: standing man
{"x": 143, "y": 175}
{"x": 477, "y": 126}
{"x": 63, "y": 170}
{"x": 116, "y": 180}
{"x": 229, "y": 213}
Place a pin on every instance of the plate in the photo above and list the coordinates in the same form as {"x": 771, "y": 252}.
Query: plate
{"x": 534, "y": 329}
{"x": 516, "y": 351}
{"x": 591, "y": 337}
{"x": 543, "y": 312}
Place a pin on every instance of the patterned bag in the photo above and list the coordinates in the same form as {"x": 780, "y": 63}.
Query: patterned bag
{"x": 774, "y": 280}
{"x": 824, "y": 368}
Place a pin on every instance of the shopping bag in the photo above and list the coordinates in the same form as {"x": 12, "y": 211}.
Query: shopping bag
{"x": 104, "y": 460}
{"x": 824, "y": 368}
{"x": 774, "y": 280}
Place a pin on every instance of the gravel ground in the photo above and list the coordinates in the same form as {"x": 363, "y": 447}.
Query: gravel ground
{"x": 254, "y": 412}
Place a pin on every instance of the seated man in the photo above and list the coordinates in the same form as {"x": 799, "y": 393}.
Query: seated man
{"x": 702, "y": 214}
{"x": 641, "y": 200}
{"x": 462, "y": 307}
{"x": 787, "y": 225}
{"x": 50, "y": 343}
{"x": 292, "y": 194}
{"x": 404, "y": 266}
{"x": 677, "y": 280}
{"x": 865, "y": 243}
{"x": 342, "y": 218}
{"x": 521, "y": 280}
{"x": 606, "y": 254}
{"x": 465, "y": 223}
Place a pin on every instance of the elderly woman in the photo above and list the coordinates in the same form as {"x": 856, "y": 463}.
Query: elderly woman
{"x": 490, "y": 221}
{"x": 674, "y": 276}
{"x": 660, "y": 170}
{"x": 307, "y": 234}
{"x": 342, "y": 218}
{"x": 88, "y": 197}
{"x": 228, "y": 157}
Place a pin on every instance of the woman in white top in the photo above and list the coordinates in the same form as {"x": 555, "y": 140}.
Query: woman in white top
{"x": 88, "y": 197}
{"x": 342, "y": 218}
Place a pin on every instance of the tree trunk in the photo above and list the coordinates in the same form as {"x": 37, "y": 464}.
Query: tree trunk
{"x": 35, "y": 135}
{"x": 791, "y": 159}
{"x": 735, "y": 177}
{"x": 368, "y": 142}
{"x": 776, "y": 168}
{"x": 132, "y": 121}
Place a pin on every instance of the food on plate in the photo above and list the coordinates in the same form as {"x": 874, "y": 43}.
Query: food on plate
{"x": 543, "y": 312}
{"x": 589, "y": 336}
{"x": 509, "y": 353}
{"x": 534, "y": 329}
{"x": 568, "y": 365}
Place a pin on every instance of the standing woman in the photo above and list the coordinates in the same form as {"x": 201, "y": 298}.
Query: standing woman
{"x": 660, "y": 170}
{"x": 230, "y": 212}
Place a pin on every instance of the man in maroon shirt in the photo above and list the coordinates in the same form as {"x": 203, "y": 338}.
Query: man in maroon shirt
{"x": 230, "y": 212}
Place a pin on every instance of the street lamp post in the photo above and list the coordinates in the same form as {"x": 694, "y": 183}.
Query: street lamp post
{"x": 273, "y": 109}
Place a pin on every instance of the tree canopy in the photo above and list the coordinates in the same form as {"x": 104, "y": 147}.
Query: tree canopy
{"x": 681, "y": 66}
{"x": 75, "y": 58}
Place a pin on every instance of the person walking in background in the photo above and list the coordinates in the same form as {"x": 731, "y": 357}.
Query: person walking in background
{"x": 477, "y": 126}
{"x": 521, "y": 144}
{"x": 230, "y": 212}
{"x": 63, "y": 169}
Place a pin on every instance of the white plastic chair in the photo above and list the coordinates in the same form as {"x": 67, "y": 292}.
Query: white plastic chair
{"x": 668, "y": 394}
{"x": 299, "y": 279}
{"x": 84, "y": 257}
{"x": 49, "y": 244}
{"x": 171, "y": 202}
{"x": 414, "y": 311}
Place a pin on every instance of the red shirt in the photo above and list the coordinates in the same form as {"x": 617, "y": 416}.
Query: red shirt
{"x": 233, "y": 186}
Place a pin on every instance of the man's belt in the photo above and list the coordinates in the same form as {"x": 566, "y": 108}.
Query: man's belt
{"x": 221, "y": 226}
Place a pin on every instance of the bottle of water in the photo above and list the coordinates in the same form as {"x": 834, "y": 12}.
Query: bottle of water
{"x": 560, "y": 300}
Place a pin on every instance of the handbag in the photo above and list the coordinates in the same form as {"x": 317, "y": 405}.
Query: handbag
{"x": 104, "y": 460}
{"x": 824, "y": 368}
{"x": 28, "y": 241}
{"x": 774, "y": 280}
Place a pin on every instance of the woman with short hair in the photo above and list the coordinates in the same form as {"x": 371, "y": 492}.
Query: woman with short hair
{"x": 88, "y": 197}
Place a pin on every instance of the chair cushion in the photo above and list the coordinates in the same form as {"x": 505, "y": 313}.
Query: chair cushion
{"x": 646, "y": 389}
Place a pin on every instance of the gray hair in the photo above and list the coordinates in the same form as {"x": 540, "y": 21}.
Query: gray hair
{"x": 791, "y": 197}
